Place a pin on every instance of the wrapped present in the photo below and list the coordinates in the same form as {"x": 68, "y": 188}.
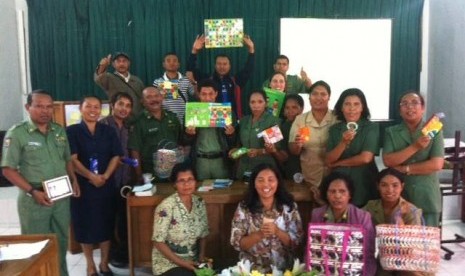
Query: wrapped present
{"x": 335, "y": 249}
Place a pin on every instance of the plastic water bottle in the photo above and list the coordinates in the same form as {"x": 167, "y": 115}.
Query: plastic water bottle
{"x": 130, "y": 161}
{"x": 298, "y": 178}
{"x": 224, "y": 93}
{"x": 93, "y": 165}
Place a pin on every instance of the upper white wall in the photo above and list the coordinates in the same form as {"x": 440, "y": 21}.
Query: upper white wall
{"x": 446, "y": 70}
{"x": 11, "y": 107}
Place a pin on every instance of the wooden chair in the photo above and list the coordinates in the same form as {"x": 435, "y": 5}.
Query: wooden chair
{"x": 454, "y": 187}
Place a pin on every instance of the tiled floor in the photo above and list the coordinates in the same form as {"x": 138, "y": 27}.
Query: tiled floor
{"x": 9, "y": 225}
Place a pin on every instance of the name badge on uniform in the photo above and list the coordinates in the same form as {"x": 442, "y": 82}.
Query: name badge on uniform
{"x": 153, "y": 129}
{"x": 37, "y": 144}
{"x": 7, "y": 142}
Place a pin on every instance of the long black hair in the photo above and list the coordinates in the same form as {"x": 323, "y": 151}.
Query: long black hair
{"x": 282, "y": 196}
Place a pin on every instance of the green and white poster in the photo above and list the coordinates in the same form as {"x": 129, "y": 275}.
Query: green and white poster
{"x": 208, "y": 114}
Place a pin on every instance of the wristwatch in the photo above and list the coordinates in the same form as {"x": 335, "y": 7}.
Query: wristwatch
{"x": 31, "y": 191}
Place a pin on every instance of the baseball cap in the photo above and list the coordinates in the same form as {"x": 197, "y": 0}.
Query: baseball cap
{"x": 120, "y": 54}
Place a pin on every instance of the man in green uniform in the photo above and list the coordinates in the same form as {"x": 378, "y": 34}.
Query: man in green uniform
{"x": 294, "y": 84}
{"x": 211, "y": 144}
{"x": 34, "y": 151}
{"x": 153, "y": 129}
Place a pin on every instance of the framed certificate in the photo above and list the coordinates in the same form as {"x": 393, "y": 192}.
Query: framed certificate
{"x": 58, "y": 188}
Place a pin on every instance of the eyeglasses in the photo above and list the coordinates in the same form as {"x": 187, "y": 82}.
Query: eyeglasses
{"x": 410, "y": 104}
{"x": 188, "y": 181}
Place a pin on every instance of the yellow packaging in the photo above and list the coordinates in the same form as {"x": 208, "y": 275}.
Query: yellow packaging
{"x": 432, "y": 126}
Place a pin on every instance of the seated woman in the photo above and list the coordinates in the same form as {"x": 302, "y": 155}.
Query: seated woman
{"x": 392, "y": 208}
{"x": 179, "y": 227}
{"x": 266, "y": 226}
{"x": 337, "y": 190}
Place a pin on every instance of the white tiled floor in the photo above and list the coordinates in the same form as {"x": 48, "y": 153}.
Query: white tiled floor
{"x": 9, "y": 225}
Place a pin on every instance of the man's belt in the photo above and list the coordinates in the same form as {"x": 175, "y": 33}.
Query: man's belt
{"x": 210, "y": 155}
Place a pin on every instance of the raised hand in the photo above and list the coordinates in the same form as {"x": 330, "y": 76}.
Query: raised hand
{"x": 199, "y": 43}
{"x": 249, "y": 43}
{"x": 105, "y": 61}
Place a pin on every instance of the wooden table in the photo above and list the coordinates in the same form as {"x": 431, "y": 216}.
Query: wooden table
{"x": 43, "y": 264}
{"x": 221, "y": 205}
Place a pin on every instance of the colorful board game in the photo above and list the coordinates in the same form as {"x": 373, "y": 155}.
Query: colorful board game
{"x": 222, "y": 33}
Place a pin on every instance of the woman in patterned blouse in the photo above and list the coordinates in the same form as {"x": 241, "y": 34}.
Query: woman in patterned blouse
{"x": 180, "y": 227}
{"x": 266, "y": 226}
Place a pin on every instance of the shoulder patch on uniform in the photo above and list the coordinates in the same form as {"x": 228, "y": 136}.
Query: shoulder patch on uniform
{"x": 6, "y": 142}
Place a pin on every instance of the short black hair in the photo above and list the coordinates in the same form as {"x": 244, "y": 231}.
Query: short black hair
{"x": 182, "y": 167}
{"x": 295, "y": 97}
{"x": 282, "y": 196}
{"x": 326, "y": 182}
{"x": 320, "y": 83}
{"x": 116, "y": 97}
{"x": 36, "y": 92}
{"x": 169, "y": 54}
{"x": 89, "y": 97}
{"x": 391, "y": 171}
{"x": 282, "y": 57}
{"x": 207, "y": 83}
{"x": 422, "y": 99}
{"x": 258, "y": 91}
{"x": 223, "y": 56}
{"x": 340, "y": 102}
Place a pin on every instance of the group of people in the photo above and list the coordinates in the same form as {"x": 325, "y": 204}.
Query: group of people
{"x": 333, "y": 149}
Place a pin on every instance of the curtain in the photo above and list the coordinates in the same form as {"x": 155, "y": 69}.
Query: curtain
{"x": 69, "y": 37}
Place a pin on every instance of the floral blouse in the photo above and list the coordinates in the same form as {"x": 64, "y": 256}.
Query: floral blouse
{"x": 179, "y": 229}
{"x": 269, "y": 251}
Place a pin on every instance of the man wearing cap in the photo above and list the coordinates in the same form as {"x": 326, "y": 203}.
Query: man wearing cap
{"x": 120, "y": 80}
{"x": 176, "y": 88}
{"x": 153, "y": 129}
{"x": 34, "y": 151}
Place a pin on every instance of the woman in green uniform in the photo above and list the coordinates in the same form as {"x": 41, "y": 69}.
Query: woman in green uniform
{"x": 353, "y": 144}
{"x": 419, "y": 156}
{"x": 249, "y": 127}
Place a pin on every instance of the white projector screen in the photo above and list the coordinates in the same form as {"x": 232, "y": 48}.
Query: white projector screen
{"x": 346, "y": 53}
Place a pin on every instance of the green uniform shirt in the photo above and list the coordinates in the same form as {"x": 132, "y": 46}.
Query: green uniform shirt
{"x": 364, "y": 176}
{"x": 207, "y": 140}
{"x": 149, "y": 134}
{"x": 248, "y": 138}
{"x": 421, "y": 190}
{"x": 36, "y": 156}
{"x": 294, "y": 85}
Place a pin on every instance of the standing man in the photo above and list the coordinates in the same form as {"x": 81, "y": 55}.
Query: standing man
{"x": 176, "y": 88}
{"x": 211, "y": 144}
{"x": 152, "y": 126}
{"x": 294, "y": 84}
{"x": 120, "y": 80}
{"x": 230, "y": 85}
{"x": 34, "y": 151}
{"x": 121, "y": 106}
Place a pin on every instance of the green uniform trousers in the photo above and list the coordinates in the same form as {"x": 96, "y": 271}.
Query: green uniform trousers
{"x": 37, "y": 219}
